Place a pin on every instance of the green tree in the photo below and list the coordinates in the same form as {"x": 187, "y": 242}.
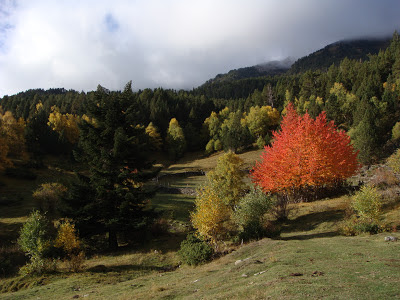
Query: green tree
{"x": 175, "y": 140}
{"x": 228, "y": 178}
{"x": 35, "y": 240}
{"x": 234, "y": 134}
{"x": 364, "y": 134}
{"x": 115, "y": 149}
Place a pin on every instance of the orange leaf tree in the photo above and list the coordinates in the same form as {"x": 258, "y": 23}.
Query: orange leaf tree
{"x": 305, "y": 154}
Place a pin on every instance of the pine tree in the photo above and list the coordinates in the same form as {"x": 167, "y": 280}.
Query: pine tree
{"x": 115, "y": 150}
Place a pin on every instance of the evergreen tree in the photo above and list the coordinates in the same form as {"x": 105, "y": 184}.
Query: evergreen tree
{"x": 115, "y": 150}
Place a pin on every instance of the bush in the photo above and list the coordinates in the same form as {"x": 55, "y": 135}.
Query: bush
{"x": 393, "y": 161}
{"x": 367, "y": 203}
{"x": 68, "y": 240}
{"x": 260, "y": 142}
{"x": 249, "y": 214}
{"x": 354, "y": 226}
{"x": 35, "y": 241}
{"x": 48, "y": 197}
{"x": 194, "y": 251}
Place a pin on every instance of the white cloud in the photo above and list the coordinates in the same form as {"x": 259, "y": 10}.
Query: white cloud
{"x": 171, "y": 43}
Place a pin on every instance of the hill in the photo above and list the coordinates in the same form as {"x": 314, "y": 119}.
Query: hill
{"x": 336, "y": 52}
{"x": 266, "y": 69}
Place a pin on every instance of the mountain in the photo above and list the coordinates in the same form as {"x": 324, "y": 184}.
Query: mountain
{"x": 336, "y": 52}
{"x": 266, "y": 69}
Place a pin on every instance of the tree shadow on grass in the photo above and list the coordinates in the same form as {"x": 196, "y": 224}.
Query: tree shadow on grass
{"x": 310, "y": 222}
{"x": 128, "y": 268}
{"x": 310, "y": 236}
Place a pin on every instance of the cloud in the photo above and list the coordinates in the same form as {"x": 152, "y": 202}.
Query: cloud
{"x": 169, "y": 43}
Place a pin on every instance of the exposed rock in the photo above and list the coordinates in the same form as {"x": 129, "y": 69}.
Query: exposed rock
{"x": 390, "y": 238}
{"x": 238, "y": 262}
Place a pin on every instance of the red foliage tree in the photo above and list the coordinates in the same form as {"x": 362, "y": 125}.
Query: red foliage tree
{"x": 305, "y": 154}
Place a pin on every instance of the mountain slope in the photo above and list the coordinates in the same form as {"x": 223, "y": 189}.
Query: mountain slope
{"x": 266, "y": 69}
{"x": 334, "y": 53}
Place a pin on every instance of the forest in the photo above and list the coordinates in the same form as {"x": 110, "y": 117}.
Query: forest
{"x": 316, "y": 127}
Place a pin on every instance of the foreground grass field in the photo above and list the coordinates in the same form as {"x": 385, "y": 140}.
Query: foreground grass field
{"x": 318, "y": 267}
{"x": 309, "y": 259}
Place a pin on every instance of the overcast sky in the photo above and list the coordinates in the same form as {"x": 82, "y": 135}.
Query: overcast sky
{"x": 78, "y": 44}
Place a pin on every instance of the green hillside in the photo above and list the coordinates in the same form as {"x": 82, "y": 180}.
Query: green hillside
{"x": 334, "y": 53}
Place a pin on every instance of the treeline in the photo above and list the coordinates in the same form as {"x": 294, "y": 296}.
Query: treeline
{"x": 361, "y": 97}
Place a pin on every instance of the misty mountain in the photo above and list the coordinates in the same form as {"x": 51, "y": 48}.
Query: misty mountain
{"x": 271, "y": 68}
{"x": 334, "y": 53}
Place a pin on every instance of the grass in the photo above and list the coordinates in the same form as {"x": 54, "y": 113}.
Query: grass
{"x": 200, "y": 162}
{"x": 308, "y": 260}
{"x": 321, "y": 267}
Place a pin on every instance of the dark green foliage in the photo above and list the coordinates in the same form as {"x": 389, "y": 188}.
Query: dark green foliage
{"x": 249, "y": 214}
{"x": 35, "y": 240}
{"x": 115, "y": 149}
{"x": 233, "y": 134}
{"x": 194, "y": 251}
{"x": 336, "y": 52}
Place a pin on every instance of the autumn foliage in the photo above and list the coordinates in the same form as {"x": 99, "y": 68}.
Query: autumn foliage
{"x": 305, "y": 153}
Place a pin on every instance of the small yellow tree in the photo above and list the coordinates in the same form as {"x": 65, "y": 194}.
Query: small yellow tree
{"x": 67, "y": 239}
{"x": 12, "y": 136}
{"x": 211, "y": 215}
{"x": 216, "y": 200}
{"x": 155, "y": 137}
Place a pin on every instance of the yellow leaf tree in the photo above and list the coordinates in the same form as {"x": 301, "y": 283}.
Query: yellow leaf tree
{"x": 212, "y": 217}
{"x": 155, "y": 137}
{"x": 66, "y": 125}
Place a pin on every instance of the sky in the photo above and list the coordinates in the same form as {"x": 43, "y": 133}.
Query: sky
{"x": 179, "y": 44}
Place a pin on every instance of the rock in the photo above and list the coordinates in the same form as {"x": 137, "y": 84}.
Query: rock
{"x": 238, "y": 262}
{"x": 259, "y": 273}
{"x": 244, "y": 275}
{"x": 390, "y": 239}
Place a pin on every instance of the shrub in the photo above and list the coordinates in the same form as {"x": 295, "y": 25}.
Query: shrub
{"x": 48, "y": 197}
{"x": 354, "y": 226}
{"x": 367, "y": 203}
{"x": 67, "y": 240}
{"x": 210, "y": 147}
{"x": 393, "y": 161}
{"x": 249, "y": 214}
{"x": 194, "y": 251}
{"x": 396, "y": 131}
{"x": 35, "y": 241}
{"x": 260, "y": 142}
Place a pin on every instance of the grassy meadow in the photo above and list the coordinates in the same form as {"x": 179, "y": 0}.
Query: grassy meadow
{"x": 310, "y": 259}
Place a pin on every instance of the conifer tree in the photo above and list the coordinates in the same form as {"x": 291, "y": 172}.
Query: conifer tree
{"x": 115, "y": 150}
